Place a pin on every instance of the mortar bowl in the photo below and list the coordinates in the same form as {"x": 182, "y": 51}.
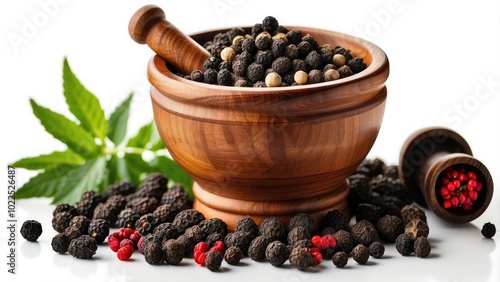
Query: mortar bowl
{"x": 271, "y": 151}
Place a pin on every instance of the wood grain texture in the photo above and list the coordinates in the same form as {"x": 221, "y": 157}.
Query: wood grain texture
{"x": 262, "y": 151}
{"x": 425, "y": 155}
{"x": 149, "y": 26}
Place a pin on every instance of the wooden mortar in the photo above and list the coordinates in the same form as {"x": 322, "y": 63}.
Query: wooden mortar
{"x": 429, "y": 152}
{"x": 265, "y": 151}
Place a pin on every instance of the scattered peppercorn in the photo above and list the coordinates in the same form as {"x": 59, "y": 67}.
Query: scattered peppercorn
{"x": 153, "y": 253}
{"x": 99, "y": 230}
{"x": 166, "y": 231}
{"x": 422, "y": 247}
{"x": 298, "y": 233}
{"x": 127, "y": 218}
{"x": 146, "y": 224}
{"x": 61, "y": 220}
{"x": 345, "y": 241}
{"x": 363, "y": 232}
{"x": 31, "y": 230}
{"x": 187, "y": 218}
{"x": 377, "y": 249}
{"x": 410, "y": 212}
{"x": 213, "y": 225}
{"x": 177, "y": 198}
{"x": 186, "y": 243}
{"x": 240, "y": 239}
{"x": 300, "y": 258}
{"x": 214, "y": 237}
{"x": 404, "y": 244}
{"x": 107, "y": 212}
{"x": 173, "y": 251}
{"x": 195, "y": 233}
{"x": 83, "y": 247}
{"x": 143, "y": 205}
{"x": 276, "y": 253}
{"x": 488, "y": 230}
{"x": 65, "y": 208}
{"x": 273, "y": 229}
{"x": 257, "y": 248}
{"x": 360, "y": 254}
{"x": 340, "y": 259}
{"x": 80, "y": 222}
{"x": 213, "y": 260}
{"x": 233, "y": 255}
{"x": 417, "y": 228}
{"x": 389, "y": 227}
{"x": 60, "y": 243}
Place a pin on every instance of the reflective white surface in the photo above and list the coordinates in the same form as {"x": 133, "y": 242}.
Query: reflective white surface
{"x": 444, "y": 58}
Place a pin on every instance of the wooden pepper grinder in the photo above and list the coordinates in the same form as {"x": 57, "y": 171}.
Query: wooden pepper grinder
{"x": 440, "y": 172}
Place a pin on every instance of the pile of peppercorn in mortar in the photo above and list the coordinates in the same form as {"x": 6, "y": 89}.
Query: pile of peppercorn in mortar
{"x": 161, "y": 225}
{"x": 271, "y": 56}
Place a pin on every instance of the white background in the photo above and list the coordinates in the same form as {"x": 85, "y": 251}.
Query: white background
{"x": 444, "y": 58}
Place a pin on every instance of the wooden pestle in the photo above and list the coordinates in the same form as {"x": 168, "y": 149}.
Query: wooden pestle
{"x": 149, "y": 26}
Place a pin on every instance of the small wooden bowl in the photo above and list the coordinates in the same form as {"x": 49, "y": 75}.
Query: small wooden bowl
{"x": 271, "y": 151}
{"x": 425, "y": 155}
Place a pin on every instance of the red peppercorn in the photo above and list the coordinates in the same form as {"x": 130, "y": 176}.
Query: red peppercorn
{"x": 202, "y": 247}
{"x": 126, "y": 232}
{"x": 199, "y": 257}
{"x": 114, "y": 244}
{"x": 126, "y": 242}
{"x": 316, "y": 255}
{"x": 219, "y": 247}
{"x": 125, "y": 252}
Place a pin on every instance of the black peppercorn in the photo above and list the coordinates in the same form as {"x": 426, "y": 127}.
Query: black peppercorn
{"x": 196, "y": 234}
{"x": 356, "y": 64}
{"x": 233, "y": 255}
{"x": 213, "y": 225}
{"x": 304, "y": 48}
{"x": 259, "y": 84}
{"x": 65, "y": 208}
{"x": 422, "y": 247}
{"x": 210, "y": 76}
{"x": 364, "y": 232}
{"x": 313, "y": 60}
{"x": 166, "y": 231}
{"x": 146, "y": 224}
{"x": 99, "y": 230}
{"x": 344, "y": 52}
{"x": 31, "y": 230}
{"x": 80, "y": 222}
{"x": 197, "y": 76}
{"x": 326, "y": 56}
{"x": 173, "y": 251}
{"x": 345, "y": 241}
{"x": 344, "y": 71}
{"x": 213, "y": 260}
{"x": 123, "y": 188}
{"x": 144, "y": 205}
{"x": 106, "y": 212}
{"x": 360, "y": 254}
{"x": 241, "y": 83}
{"x": 304, "y": 220}
{"x": 214, "y": 237}
{"x": 292, "y": 52}
{"x": 300, "y": 258}
{"x": 257, "y": 248}
{"x": 389, "y": 227}
{"x": 256, "y": 29}
{"x": 177, "y": 198}
{"x": 153, "y": 253}
{"x": 270, "y": 24}
{"x": 224, "y": 77}
{"x": 376, "y": 249}
{"x": 273, "y": 229}
{"x": 164, "y": 213}
{"x": 239, "y": 68}
{"x": 211, "y": 63}
{"x": 88, "y": 201}
{"x": 83, "y": 247}
{"x": 240, "y": 239}
{"x": 312, "y": 41}
{"x": 337, "y": 219}
{"x": 247, "y": 224}
{"x": 340, "y": 259}
{"x": 410, "y": 212}
{"x": 276, "y": 253}
{"x": 278, "y": 48}
{"x": 263, "y": 41}
{"x": 264, "y": 58}
{"x": 294, "y": 36}
{"x": 186, "y": 243}
{"x": 117, "y": 201}
{"x": 255, "y": 72}
{"x": 72, "y": 232}
{"x": 488, "y": 230}
{"x": 60, "y": 221}
{"x": 248, "y": 45}
{"x": 315, "y": 76}
{"x": 60, "y": 243}
{"x": 404, "y": 244}
{"x": 417, "y": 228}
{"x": 127, "y": 218}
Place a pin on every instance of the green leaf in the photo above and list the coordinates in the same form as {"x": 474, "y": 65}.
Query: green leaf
{"x": 146, "y": 138}
{"x": 68, "y": 132}
{"x": 175, "y": 173}
{"x": 80, "y": 179}
{"x": 45, "y": 184}
{"x": 83, "y": 104}
{"x": 118, "y": 121}
{"x": 50, "y": 161}
{"x": 136, "y": 167}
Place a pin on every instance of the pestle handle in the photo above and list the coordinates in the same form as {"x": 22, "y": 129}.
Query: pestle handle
{"x": 149, "y": 26}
